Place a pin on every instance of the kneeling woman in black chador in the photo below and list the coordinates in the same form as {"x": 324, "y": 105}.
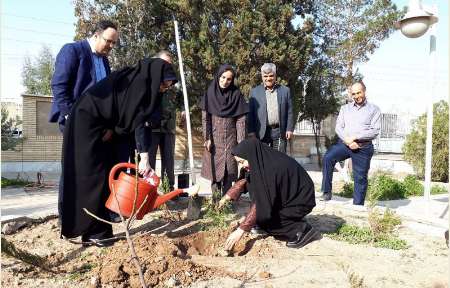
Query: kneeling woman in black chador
{"x": 282, "y": 195}
{"x": 121, "y": 102}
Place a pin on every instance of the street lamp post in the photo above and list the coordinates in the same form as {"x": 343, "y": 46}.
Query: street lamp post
{"x": 415, "y": 24}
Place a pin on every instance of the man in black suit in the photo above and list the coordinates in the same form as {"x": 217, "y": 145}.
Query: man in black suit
{"x": 270, "y": 117}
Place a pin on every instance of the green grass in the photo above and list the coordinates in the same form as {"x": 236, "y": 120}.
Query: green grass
{"x": 14, "y": 182}
{"x": 79, "y": 273}
{"x": 363, "y": 235}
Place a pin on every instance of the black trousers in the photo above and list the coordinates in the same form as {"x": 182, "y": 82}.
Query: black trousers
{"x": 274, "y": 139}
{"x": 124, "y": 146}
{"x": 287, "y": 222}
{"x": 166, "y": 144}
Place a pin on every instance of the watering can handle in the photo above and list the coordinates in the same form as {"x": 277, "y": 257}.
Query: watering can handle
{"x": 116, "y": 167}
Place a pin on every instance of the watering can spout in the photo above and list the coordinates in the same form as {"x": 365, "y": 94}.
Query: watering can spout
{"x": 161, "y": 199}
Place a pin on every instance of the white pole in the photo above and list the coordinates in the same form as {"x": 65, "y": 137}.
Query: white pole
{"x": 186, "y": 104}
{"x": 429, "y": 139}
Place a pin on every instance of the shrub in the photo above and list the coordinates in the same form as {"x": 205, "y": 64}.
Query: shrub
{"x": 18, "y": 182}
{"x": 414, "y": 147}
{"x": 415, "y": 188}
{"x": 384, "y": 187}
{"x": 412, "y": 186}
{"x": 364, "y": 235}
{"x": 352, "y": 234}
{"x": 380, "y": 233}
{"x": 347, "y": 190}
{"x": 437, "y": 189}
{"x": 390, "y": 242}
{"x": 9, "y": 125}
{"x": 381, "y": 225}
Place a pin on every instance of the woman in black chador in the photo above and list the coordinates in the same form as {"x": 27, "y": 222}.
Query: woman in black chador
{"x": 282, "y": 195}
{"x": 121, "y": 102}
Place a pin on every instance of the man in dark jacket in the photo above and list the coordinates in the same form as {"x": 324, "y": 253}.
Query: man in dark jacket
{"x": 270, "y": 117}
{"x": 78, "y": 66}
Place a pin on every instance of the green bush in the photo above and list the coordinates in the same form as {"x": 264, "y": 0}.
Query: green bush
{"x": 414, "y": 147}
{"x": 384, "y": 187}
{"x": 352, "y": 234}
{"x": 438, "y": 189}
{"x": 415, "y": 188}
{"x": 347, "y": 190}
{"x": 380, "y": 233}
{"x": 390, "y": 242}
{"x": 412, "y": 186}
{"x": 385, "y": 224}
{"x": 14, "y": 182}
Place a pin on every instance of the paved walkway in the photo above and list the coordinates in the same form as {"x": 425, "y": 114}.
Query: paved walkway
{"x": 17, "y": 203}
{"x": 427, "y": 217}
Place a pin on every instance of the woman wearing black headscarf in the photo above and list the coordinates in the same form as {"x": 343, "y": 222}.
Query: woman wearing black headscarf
{"x": 223, "y": 120}
{"x": 282, "y": 195}
{"x": 123, "y": 102}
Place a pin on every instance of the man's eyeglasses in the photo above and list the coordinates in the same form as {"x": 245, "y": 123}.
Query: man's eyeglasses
{"x": 357, "y": 93}
{"x": 109, "y": 41}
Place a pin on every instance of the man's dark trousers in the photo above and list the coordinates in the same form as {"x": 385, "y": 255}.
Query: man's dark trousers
{"x": 360, "y": 163}
{"x": 273, "y": 138}
{"x": 166, "y": 143}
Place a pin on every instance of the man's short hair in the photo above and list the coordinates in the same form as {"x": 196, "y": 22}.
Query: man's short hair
{"x": 269, "y": 68}
{"x": 103, "y": 25}
{"x": 163, "y": 53}
{"x": 360, "y": 82}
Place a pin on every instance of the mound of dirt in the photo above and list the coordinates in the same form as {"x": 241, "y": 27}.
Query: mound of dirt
{"x": 165, "y": 262}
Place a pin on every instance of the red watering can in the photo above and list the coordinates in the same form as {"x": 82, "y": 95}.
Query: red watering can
{"x": 124, "y": 190}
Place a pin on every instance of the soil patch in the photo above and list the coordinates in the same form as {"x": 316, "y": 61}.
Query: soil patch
{"x": 177, "y": 253}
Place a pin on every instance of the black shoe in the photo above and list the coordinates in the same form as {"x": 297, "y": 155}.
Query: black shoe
{"x": 98, "y": 242}
{"x": 304, "y": 238}
{"x": 326, "y": 196}
{"x": 256, "y": 230}
{"x": 114, "y": 217}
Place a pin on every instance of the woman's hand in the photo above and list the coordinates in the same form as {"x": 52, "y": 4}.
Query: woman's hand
{"x": 208, "y": 145}
{"x": 224, "y": 201}
{"x": 144, "y": 165}
{"x": 233, "y": 239}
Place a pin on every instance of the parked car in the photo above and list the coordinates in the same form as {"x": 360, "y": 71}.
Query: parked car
{"x": 16, "y": 133}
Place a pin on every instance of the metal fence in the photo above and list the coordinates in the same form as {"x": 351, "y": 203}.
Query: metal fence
{"x": 394, "y": 128}
{"x": 305, "y": 127}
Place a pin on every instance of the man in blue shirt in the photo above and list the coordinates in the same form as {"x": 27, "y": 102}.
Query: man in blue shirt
{"x": 78, "y": 66}
{"x": 357, "y": 125}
